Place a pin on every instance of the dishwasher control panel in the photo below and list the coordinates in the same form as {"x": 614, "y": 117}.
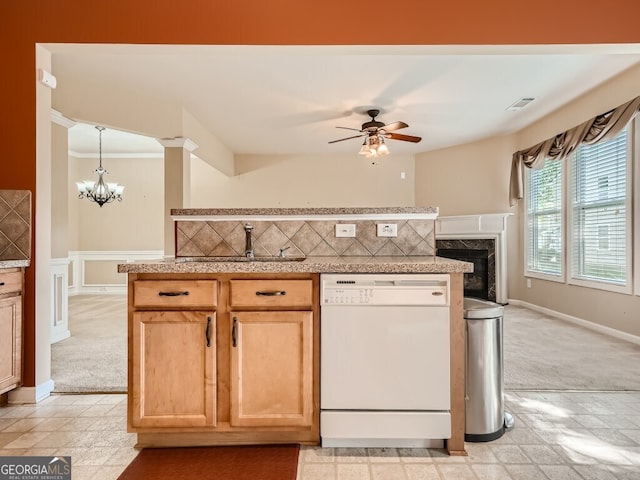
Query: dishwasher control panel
{"x": 384, "y": 289}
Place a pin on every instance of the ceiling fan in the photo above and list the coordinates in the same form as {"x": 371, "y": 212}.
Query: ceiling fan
{"x": 375, "y": 133}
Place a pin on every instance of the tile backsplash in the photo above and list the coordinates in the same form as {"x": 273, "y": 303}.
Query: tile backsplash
{"x": 308, "y": 237}
{"x": 15, "y": 225}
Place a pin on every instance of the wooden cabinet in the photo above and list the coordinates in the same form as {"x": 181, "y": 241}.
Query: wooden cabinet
{"x": 272, "y": 353}
{"x": 11, "y": 287}
{"x": 223, "y": 358}
{"x": 173, "y": 369}
{"x": 172, "y": 373}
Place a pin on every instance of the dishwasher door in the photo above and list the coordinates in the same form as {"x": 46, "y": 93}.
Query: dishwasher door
{"x": 393, "y": 358}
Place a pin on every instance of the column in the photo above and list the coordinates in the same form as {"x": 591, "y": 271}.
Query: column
{"x": 177, "y": 183}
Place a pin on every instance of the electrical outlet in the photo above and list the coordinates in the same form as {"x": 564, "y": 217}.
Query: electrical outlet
{"x": 345, "y": 229}
{"x": 528, "y": 283}
{"x": 387, "y": 229}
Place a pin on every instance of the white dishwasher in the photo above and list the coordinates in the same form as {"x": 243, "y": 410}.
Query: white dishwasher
{"x": 384, "y": 360}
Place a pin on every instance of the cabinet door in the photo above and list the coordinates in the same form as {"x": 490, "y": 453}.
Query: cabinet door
{"x": 10, "y": 343}
{"x": 173, "y": 365}
{"x": 271, "y": 369}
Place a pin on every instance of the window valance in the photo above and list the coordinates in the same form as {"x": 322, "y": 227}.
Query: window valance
{"x": 601, "y": 127}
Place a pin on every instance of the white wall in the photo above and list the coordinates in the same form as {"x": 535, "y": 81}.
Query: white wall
{"x": 136, "y": 223}
{"x": 305, "y": 181}
{"x": 467, "y": 179}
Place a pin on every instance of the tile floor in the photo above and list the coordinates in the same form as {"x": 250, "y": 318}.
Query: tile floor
{"x": 557, "y": 436}
{"x": 89, "y": 428}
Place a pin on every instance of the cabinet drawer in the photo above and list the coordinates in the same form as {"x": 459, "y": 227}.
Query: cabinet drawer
{"x": 10, "y": 282}
{"x": 175, "y": 293}
{"x": 271, "y": 293}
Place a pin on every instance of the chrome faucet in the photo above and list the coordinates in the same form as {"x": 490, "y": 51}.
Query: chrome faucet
{"x": 248, "y": 245}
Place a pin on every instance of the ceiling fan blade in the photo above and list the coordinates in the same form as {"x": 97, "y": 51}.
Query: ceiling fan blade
{"x": 406, "y": 138}
{"x": 394, "y": 126}
{"x": 347, "y": 128}
{"x": 348, "y": 138}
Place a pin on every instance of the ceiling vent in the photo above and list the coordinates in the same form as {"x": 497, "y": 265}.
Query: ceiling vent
{"x": 520, "y": 104}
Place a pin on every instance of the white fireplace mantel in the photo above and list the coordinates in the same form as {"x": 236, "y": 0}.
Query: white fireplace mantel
{"x": 484, "y": 226}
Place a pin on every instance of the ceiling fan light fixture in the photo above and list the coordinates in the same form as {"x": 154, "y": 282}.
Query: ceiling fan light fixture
{"x": 375, "y": 132}
{"x": 382, "y": 148}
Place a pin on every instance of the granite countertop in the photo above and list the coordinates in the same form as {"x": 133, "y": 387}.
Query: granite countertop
{"x": 306, "y": 211}
{"x": 409, "y": 264}
{"x": 14, "y": 263}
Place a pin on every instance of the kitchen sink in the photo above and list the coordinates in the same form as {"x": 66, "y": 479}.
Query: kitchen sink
{"x": 239, "y": 259}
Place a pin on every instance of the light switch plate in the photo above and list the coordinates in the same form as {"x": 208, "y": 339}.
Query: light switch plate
{"x": 387, "y": 229}
{"x": 345, "y": 229}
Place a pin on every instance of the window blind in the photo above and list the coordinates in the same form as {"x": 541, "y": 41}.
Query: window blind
{"x": 544, "y": 217}
{"x": 599, "y": 203}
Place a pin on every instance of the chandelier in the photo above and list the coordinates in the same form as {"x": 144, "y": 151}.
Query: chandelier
{"x": 100, "y": 192}
{"x": 374, "y": 146}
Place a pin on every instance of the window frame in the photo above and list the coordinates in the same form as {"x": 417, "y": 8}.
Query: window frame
{"x": 602, "y": 284}
{"x": 635, "y": 175}
{"x": 561, "y": 277}
{"x": 632, "y": 219}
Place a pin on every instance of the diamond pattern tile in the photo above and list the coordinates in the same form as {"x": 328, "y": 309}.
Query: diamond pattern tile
{"x": 310, "y": 237}
{"x": 206, "y": 239}
{"x": 272, "y": 240}
{"x": 15, "y": 224}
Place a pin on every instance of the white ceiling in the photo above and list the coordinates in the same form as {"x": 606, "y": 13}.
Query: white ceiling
{"x": 290, "y": 99}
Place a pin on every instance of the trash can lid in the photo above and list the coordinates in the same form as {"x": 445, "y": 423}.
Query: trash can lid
{"x": 476, "y": 308}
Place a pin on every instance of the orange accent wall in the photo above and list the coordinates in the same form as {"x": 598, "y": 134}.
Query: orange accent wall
{"x": 259, "y": 22}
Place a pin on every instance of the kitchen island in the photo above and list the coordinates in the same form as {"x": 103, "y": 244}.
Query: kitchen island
{"x": 218, "y": 418}
{"x": 224, "y": 338}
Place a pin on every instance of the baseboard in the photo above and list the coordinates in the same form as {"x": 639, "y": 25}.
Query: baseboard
{"x": 31, "y": 394}
{"x": 58, "y": 337}
{"x": 612, "y": 332}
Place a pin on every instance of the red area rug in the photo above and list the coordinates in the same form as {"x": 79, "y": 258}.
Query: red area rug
{"x": 251, "y": 462}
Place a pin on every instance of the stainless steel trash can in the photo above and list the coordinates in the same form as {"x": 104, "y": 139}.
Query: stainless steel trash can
{"x": 484, "y": 394}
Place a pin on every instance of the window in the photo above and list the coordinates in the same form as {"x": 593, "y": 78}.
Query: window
{"x": 595, "y": 225}
{"x": 544, "y": 220}
{"x": 599, "y": 207}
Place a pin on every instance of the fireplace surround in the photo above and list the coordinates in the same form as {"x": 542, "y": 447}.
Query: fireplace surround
{"x": 481, "y": 240}
{"x": 481, "y": 283}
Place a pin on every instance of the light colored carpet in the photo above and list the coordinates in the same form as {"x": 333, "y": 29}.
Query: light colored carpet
{"x": 94, "y": 358}
{"x": 540, "y": 352}
{"x": 544, "y": 353}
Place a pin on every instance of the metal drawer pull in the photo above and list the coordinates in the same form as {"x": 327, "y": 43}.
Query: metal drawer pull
{"x": 275, "y": 293}
{"x": 172, "y": 294}
{"x": 1, "y": 284}
{"x": 234, "y": 332}
{"x": 208, "y": 331}
{"x": 437, "y": 294}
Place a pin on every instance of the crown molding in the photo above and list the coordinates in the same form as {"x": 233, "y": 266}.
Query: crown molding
{"x": 59, "y": 119}
{"x": 179, "y": 142}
